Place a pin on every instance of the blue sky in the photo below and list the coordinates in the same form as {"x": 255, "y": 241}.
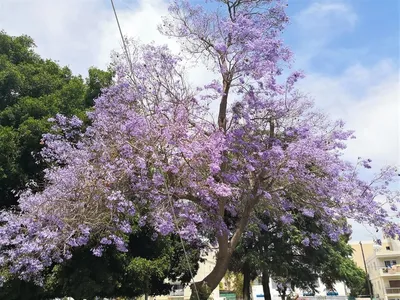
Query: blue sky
{"x": 353, "y": 30}
{"x": 349, "y": 50}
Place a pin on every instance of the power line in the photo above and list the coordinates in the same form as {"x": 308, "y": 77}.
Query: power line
{"x": 182, "y": 243}
{"x": 169, "y": 196}
{"x": 122, "y": 37}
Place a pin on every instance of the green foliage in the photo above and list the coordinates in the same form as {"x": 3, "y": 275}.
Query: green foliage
{"x": 277, "y": 251}
{"x": 32, "y": 90}
{"x": 97, "y": 80}
{"x": 141, "y": 270}
{"x": 340, "y": 265}
{"x": 8, "y": 152}
{"x": 17, "y": 49}
{"x": 234, "y": 283}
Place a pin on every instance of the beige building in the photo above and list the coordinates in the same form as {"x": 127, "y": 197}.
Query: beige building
{"x": 369, "y": 248}
{"x": 383, "y": 266}
{"x": 205, "y": 268}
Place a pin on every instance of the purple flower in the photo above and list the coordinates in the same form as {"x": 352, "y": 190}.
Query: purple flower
{"x": 306, "y": 242}
{"x": 308, "y": 212}
{"x": 98, "y": 251}
{"x": 287, "y": 219}
{"x": 142, "y": 221}
{"x": 215, "y": 168}
{"x": 105, "y": 241}
{"x": 125, "y": 227}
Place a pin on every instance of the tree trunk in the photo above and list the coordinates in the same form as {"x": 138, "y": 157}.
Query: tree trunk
{"x": 265, "y": 285}
{"x": 202, "y": 290}
{"x": 246, "y": 281}
{"x": 223, "y": 105}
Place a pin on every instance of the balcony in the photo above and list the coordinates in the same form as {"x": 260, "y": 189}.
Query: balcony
{"x": 393, "y": 291}
{"x": 388, "y": 272}
{"x": 383, "y": 253}
{"x": 382, "y": 271}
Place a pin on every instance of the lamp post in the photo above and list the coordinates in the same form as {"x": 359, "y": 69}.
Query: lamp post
{"x": 366, "y": 271}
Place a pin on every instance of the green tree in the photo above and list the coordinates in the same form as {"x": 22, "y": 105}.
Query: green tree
{"x": 338, "y": 264}
{"x": 283, "y": 253}
{"x": 97, "y": 80}
{"x": 244, "y": 265}
{"x": 142, "y": 270}
{"x": 234, "y": 282}
{"x": 32, "y": 90}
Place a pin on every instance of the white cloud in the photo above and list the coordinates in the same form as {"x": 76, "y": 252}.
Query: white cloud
{"x": 368, "y": 100}
{"x": 82, "y": 33}
{"x": 320, "y": 15}
{"x": 66, "y": 31}
{"x": 376, "y": 120}
{"x": 139, "y": 22}
{"x": 366, "y": 97}
{"x": 317, "y": 25}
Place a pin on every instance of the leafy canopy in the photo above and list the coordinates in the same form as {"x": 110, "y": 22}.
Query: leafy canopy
{"x": 284, "y": 253}
{"x": 32, "y": 90}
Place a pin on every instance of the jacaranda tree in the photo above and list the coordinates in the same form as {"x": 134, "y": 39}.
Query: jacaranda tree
{"x": 153, "y": 143}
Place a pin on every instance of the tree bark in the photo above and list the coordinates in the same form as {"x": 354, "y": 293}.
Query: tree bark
{"x": 246, "y": 281}
{"x": 223, "y": 105}
{"x": 225, "y": 251}
{"x": 202, "y": 290}
{"x": 265, "y": 285}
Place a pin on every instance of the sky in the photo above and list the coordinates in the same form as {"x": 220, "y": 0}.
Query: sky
{"x": 348, "y": 49}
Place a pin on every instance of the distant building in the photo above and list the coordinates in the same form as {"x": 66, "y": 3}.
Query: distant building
{"x": 383, "y": 266}
{"x": 369, "y": 248}
{"x": 205, "y": 268}
{"x": 340, "y": 289}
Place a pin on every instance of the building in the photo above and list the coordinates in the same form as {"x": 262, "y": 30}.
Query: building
{"x": 340, "y": 288}
{"x": 205, "y": 268}
{"x": 383, "y": 267}
{"x": 369, "y": 248}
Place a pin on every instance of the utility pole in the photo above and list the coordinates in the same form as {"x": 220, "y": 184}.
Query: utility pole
{"x": 366, "y": 271}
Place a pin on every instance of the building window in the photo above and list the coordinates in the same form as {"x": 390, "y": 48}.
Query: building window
{"x": 387, "y": 248}
{"x": 394, "y": 283}
{"x": 389, "y": 263}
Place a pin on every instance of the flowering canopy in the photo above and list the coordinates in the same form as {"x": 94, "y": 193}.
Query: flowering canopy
{"x": 153, "y": 154}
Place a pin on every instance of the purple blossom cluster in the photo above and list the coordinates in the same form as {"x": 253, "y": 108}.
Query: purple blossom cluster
{"x": 152, "y": 146}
